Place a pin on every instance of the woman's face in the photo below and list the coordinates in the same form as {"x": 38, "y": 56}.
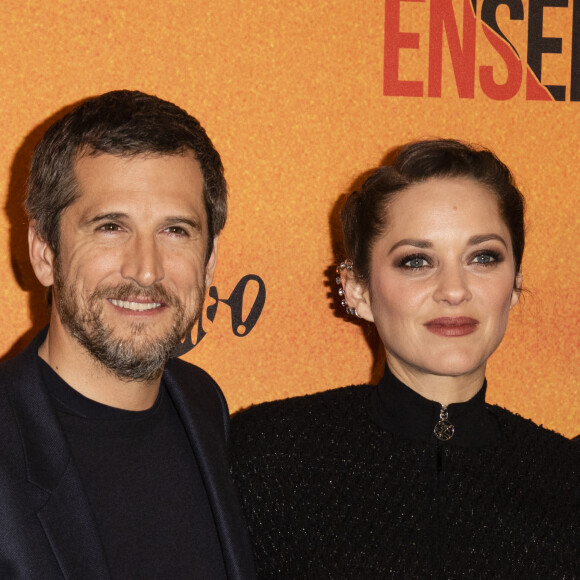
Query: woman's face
{"x": 441, "y": 279}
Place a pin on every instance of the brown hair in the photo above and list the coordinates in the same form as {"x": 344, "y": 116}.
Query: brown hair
{"x": 364, "y": 213}
{"x": 123, "y": 123}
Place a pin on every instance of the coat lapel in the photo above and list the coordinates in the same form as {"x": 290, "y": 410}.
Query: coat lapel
{"x": 66, "y": 516}
{"x": 68, "y": 523}
{"x": 204, "y": 413}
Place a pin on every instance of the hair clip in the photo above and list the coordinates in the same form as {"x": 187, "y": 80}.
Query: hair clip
{"x": 346, "y": 265}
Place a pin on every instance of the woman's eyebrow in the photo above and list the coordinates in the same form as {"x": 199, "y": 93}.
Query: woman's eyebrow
{"x": 412, "y": 242}
{"x": 475, "y": 240}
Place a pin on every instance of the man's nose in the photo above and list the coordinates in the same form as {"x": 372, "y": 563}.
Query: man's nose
{"x": 143, "y": 261}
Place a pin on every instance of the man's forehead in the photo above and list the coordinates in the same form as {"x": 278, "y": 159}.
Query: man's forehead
{"x": 86, "y": 154}
{"x": 113, "y": 182}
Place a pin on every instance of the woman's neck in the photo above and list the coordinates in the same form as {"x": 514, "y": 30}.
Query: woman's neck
{"x": 441, "y": 388}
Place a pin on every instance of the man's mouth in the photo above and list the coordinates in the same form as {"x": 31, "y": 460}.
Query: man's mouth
{"x": 135, "y": 306}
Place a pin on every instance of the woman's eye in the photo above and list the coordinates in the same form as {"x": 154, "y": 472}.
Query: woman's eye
{"x": 415, "y": 262}
{"x": 486, "y": 258}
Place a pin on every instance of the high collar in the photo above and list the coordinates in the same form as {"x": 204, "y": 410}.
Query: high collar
{"x": 402, "y": 411}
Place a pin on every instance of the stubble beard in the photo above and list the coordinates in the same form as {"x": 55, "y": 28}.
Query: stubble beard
{"x": 133, "y": 358}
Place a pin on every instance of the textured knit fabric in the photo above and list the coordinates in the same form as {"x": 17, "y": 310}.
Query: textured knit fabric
{"x": 337, "y": 485}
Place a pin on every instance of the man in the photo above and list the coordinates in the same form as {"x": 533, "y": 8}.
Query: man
{"x": 113, "y": 460}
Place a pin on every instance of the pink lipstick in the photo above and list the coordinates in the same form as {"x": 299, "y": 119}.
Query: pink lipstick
{"x": 452, "y": 326}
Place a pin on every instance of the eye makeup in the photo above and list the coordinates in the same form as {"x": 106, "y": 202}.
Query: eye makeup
{"x": 489, "y": 258}
{"x": 414, "y": 261}
{"x": 418, "y": 261}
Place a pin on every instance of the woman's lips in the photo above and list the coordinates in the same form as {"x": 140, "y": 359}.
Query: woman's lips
{"x": 452, "y": 326}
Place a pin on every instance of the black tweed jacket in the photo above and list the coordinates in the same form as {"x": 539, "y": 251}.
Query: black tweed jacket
{"x": 352, "y": 483}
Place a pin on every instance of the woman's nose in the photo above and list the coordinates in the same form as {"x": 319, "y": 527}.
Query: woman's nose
{"x": 452, "y": 286}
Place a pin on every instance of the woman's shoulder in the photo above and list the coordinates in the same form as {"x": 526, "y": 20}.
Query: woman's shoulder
{"x": 332, "y": 400}
{"x": 529, "y": 438}
{"x": 297, "y": 417}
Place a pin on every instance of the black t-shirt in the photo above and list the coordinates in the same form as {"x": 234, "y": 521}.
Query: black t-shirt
{"x": 144, "y": 486}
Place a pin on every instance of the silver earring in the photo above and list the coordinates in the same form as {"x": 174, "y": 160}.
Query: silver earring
{"x": 346, "y": 265}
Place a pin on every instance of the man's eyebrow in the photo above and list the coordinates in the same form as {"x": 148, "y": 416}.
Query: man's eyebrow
{"x": 412, "y": 242}
{"x": 170, "y": 220}
{"x": 86, "y": 221}
{"x": 475, "y": 240}
{"x": 195, "y": 224}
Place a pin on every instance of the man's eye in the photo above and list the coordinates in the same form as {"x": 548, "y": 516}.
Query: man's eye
{"x": 176, "y": 230}
{"x": 109, "y": 228}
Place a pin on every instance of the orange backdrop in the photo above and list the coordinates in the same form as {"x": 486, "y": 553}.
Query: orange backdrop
{"x": 293, "y": 95}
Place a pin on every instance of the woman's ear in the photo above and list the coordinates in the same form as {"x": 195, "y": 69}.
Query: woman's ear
{"x": 516, "y": 292}
{"x": 41, "y": 256}
{"x": 356, "y": 294}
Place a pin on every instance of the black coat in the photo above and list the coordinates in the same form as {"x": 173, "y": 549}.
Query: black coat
{"x": 47, "y": 529}
{"x": 353, "y": 483}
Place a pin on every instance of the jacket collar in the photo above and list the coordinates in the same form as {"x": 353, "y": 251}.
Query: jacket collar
{"x": 402, "y": 411}
{"x": 206, "y": 420}
{"x": 66, "y": 516}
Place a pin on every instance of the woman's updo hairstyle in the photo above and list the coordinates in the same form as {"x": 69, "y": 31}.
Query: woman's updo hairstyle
{"x": 365, "y": 211}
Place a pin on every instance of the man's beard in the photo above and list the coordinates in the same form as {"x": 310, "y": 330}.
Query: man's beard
{"x": 135, "y": 358}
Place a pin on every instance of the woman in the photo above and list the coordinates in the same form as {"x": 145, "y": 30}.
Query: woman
{"x": 417, "y": 476}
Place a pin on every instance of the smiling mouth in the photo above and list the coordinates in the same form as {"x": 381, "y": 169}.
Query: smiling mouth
{"x": 135, "y": 306}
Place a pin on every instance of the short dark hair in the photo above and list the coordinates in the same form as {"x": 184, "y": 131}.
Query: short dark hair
{"x": 125, "y": 124}
{"x": 364, "y": 213}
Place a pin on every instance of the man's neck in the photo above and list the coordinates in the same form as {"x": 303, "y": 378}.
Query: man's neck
{"x": 75, "y": 365}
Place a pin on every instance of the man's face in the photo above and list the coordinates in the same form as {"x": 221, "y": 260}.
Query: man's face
{"x": 130, "y": 277}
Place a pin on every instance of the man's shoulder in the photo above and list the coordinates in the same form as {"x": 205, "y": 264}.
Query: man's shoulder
{"x": 191, "y": 378}
{"x": 22, "y": 363}
{"x": 192, "y": 386}
{"x": 186, "y": 371}
{"x": 23, "y": 406}
{"x": 19, "y": 370}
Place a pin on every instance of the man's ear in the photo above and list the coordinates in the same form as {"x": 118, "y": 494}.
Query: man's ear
{"x": 356, "y": 294}
{"x": 516, "y": 292}
{"x": 211, "y": 263}
{"x": 41, "y": 256}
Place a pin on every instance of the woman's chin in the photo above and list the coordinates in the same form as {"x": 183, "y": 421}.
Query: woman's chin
{"x": 453, "y": 365}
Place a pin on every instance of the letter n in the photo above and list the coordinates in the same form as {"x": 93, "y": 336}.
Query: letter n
{"x": 463, "y": 59}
